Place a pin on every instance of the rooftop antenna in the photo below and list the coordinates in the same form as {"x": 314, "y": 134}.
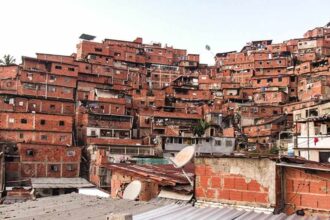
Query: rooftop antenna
{"x": 208, "y": 48}
{"x": 133, "y": 190}
{"x": 183, "y": 158}
{"x": 86, "y": 37}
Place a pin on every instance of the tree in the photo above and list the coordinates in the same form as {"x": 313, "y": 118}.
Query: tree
{"x": 201, "y": 127}
{"x": 7, "y": 60}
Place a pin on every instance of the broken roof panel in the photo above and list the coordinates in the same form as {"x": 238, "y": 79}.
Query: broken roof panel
{"x": 165, "y": 174}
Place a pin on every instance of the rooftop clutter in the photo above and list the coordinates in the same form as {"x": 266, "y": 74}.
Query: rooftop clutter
{"x": 119, "y": 101}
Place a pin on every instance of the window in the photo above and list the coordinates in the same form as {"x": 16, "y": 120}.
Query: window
{"x": 62, "y": 138}
{"x": 280, "y": 79}
{"x": 23, "y": 121}
{"x": 30, "y": 76}
{"x": 292, "y": 78}
{"x": 52, "y": 107}
{"x": 61, "y": 123}
{"x": 11, "y": 120}
{"x": 21, "y": 103}
{"x": 43, "y": 137}
{"x": 42, "y": 121}
{"x": 258, "y": 81}
{"x": 269, "y": 80}
{"x": 218, "y": 142}
{"x": 29, "y": 153}
{"x": 71, "y": 69}
{"x": 70, "y": 167}
{"x": 52, "y": 78}
{"x": 66, "y": 90}
{"x": 54, "y": 168}
{"x": 93, "y": 133}
{"x": 228, "y": 143}
{"x": 21, "y": 135}
{"x": 98, "y": 49}
{"x": 51, "y": 88}
{"x": 58, "y": 67}
{"x": 70, "y": 153}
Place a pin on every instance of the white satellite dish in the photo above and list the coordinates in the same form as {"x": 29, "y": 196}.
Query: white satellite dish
{"x": 182, "y": 158}
{"x": 133, "y": 190}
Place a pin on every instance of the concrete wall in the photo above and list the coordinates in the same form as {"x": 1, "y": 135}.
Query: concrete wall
{"x": 240, "y": 181}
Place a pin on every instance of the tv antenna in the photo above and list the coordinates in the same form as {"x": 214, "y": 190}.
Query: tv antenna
{"x": 208, "y": 48}
{"x": 183, "y": 158}
{"x": 86, "y": 37}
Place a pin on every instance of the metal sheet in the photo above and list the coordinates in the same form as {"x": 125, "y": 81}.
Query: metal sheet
{"x": 193, "y": 213}
{"x": 49, "y": 182}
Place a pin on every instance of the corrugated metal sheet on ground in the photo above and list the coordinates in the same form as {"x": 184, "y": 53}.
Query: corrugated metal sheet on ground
{"x": 49, "y": 182}
{"x": 178, "y": 212}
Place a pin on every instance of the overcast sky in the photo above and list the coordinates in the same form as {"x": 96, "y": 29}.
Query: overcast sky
{"x": 30, "y": 26}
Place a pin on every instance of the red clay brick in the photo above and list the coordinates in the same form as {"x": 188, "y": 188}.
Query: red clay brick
{"x": 204, "y": 181}
{"x": 301, "y": 186}
{"x": 215, "y": 182}
{"x": 261, "y": 197}
{"x": 210, "y": 193}
{"x": 199, "y": 192}
{"x": 323, "y": 202}
{"x": 200, "y": 170}
{"x": 229, "y": 183}
{"x": 309, "y": 200}
{"x": 289, "y": 185}
{"x": 292, "y": 173}
{"x": 319, "y": 187}
{"x": 235, "y": 195}
{"x": 240, "y": 183}
{"x": 293, "y": 198}
{"x": 248, "y": 196}
{"x": 209, "y": 171}
{"x": 223, "y": 194}
{"x": 253, "y": 186}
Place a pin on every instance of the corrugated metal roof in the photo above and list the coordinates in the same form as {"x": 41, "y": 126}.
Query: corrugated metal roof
{"x": 191, "y": 213}
{"x": 49, "y": 182}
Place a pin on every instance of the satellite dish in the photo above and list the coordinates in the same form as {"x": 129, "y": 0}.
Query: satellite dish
{"x": 182, "y": 158}
{"x": 207, "y": 47}
{"x": 132, "y": 191}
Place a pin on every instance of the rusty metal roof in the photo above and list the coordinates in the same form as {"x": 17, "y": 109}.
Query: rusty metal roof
{"x": 166, "y": 174}
{"x": 302, "y": 163}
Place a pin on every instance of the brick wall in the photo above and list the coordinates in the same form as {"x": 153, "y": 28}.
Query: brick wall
{"x": 239, "y": 181}
{"x": 118, "y": 180}
{"x": 308, "y": 191}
